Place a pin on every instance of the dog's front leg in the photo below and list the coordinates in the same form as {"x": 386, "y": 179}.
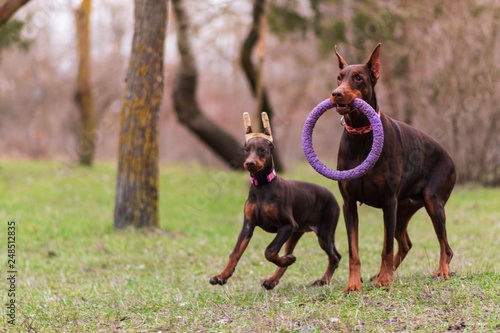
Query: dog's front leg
{"x": 273, "y": 281}
{"x": 243, "y": 240}
{"x": 272, "y": 251}
{"x": 351, "y": 223}
{"x": 387, "y": 266}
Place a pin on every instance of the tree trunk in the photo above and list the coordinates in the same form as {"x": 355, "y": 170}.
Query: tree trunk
{"x": 184, "y": 97}
{"x": 8, "y": 8}
{"x": 253, "y": 76}
{"x": 137, "y": 177}
{"x": 482, "y": 171}
{"x": 83, "y": 95}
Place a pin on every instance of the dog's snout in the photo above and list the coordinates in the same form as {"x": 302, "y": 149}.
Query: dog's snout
{"x": 337, "y": 94}
{"x": 249, "y": 163}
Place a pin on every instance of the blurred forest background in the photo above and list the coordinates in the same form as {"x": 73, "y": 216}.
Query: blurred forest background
{"x": 440, "y": 73}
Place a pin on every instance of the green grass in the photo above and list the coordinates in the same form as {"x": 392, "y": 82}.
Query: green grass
{"x": 75, "y": 274}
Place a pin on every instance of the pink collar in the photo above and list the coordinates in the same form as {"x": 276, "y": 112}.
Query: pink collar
{"x": 359, "y": 130}
{"x": 263, "y": 180}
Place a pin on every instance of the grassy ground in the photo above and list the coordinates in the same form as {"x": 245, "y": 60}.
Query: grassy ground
{"x": 75, "y": 274}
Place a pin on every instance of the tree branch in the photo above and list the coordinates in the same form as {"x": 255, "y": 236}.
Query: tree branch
{"x": 185, "y": 103}
{"x": 249, "y": 68}
{"x": 9, "y": 8}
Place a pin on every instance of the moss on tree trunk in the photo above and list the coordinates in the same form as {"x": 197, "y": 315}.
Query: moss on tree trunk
{"x": 137, "y": 177}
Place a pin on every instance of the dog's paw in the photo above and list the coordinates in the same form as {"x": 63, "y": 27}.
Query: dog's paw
{"x": 351, "y": 289}
{"x": 319, "y": 283}
{"x": 269, "y": 284}
{"x": 353, "y": 286}
{"x": 442, "y": 273}
{"x": 218, "y": 280}
{"x": 383, "y": 281}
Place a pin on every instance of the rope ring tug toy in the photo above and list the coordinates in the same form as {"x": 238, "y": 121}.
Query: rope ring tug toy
{"x": 367, "y": 164}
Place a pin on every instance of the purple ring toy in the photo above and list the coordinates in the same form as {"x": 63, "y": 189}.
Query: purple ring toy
{"x": 367, "y": 164}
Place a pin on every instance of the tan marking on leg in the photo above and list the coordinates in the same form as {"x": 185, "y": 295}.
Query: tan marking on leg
{"x": 354, "y": 283}
{"x": 387, "y": 266}
{"x": 403, "y": 248}
{"x": 438, "y": 218}
{"x": 234, "y": 258}
{"x": 444, "y": 263}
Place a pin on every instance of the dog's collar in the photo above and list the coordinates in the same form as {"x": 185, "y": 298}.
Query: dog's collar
{"x": 263, "y": 179}
{"x": 358, "y": 130}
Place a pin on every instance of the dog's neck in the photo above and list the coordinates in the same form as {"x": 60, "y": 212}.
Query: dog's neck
{"x": 357, "y": 119}
{"x": 265, "y": 176}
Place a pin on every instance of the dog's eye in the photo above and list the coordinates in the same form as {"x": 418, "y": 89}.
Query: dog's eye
{"x": 358, "y": 78}
{"x": 339, "y": 78}
{"x": 262, "y": 150}
{"x": 246, "y": 150}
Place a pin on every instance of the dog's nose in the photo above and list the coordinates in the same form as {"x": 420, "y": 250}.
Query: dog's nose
{"x": 249, "y": 163}
{"x": 337, "y": 94}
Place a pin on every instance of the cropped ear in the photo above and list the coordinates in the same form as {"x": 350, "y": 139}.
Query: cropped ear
{"x": 266, "y": 124}
{"x": 342, "y": 63}
{"x": 374, "y": 62}
{"x": 247, "y": 123}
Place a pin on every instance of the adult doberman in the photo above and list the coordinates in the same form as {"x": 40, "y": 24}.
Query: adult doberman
{"x": 413, "y": 171}
{"x": 288, "y": 208}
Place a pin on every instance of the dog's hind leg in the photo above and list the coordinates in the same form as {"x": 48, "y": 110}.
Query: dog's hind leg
{"x": 273, "y": 281}
{"x": 326, "y": 239}
{"x": 436, "y": 194}
{"x": 333, "y": 262}
{"x": 405, "y": 213}
{"x": 435, "y": 209}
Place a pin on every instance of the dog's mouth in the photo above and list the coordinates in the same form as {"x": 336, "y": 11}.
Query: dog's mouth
{"x": 253, "y": 168}
{"x": 344, "y": 109}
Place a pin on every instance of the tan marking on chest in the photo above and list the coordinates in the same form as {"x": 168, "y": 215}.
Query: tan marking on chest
{"x": 271, "y": 211}
{"x": 344, "y": 184}
{"x": 379, "y": 180}
{"x": 249, "y": 210}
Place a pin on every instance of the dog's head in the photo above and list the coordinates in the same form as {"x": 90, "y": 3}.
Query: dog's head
{"x": 258, "y": 146}
{"x": 356, "y": 81}
{"x": 258, "y": 155}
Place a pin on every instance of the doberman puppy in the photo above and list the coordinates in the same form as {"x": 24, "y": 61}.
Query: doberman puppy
{"x": 413, "y": 171}
{"x": 286, "y": 207}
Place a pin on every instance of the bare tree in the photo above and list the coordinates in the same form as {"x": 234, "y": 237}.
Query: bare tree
{"x": 137, "y": 177}
{"x": 255, "y": 76}
{"x": 8, "y": 8}
{"x": 83, "y": 95}
{"x": 186, "y": 105}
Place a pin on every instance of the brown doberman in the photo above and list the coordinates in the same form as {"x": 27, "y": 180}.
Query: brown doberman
{"x": 413, "y": 171}
{"x": 286, "y": 207}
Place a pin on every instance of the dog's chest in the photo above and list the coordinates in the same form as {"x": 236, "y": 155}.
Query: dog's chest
{"x": 267, "y": 217}
{"x": 365, "y": 190}
{"x": 265, "y": 214}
